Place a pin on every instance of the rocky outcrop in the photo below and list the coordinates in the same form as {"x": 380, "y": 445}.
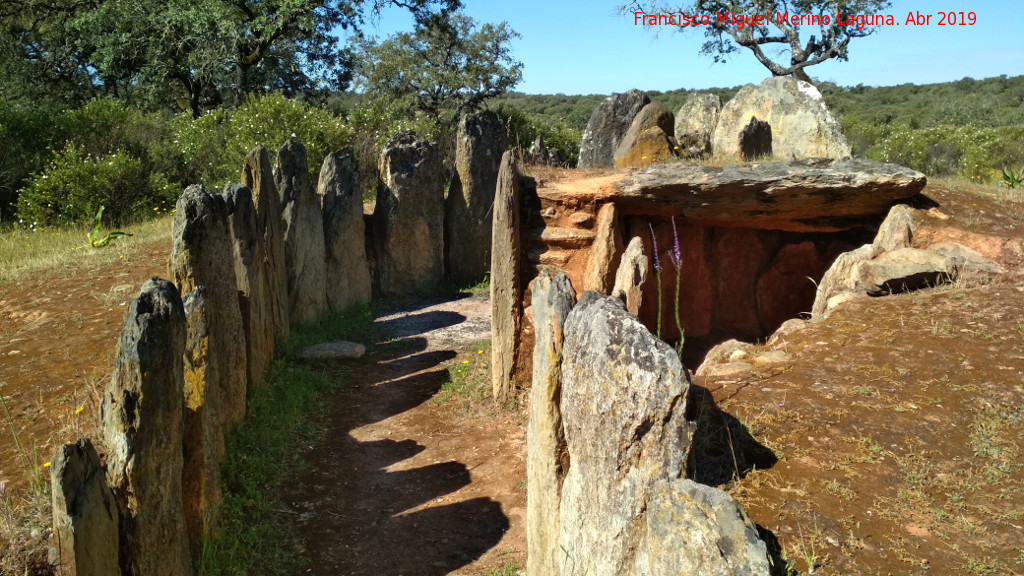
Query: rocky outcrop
{"x": 631, "y": 276}
{"x": 755, "y": 140}
{"x": 695, "y": 124}
{"x": 839, "y": 277}
{"x": 605, "y": 252}
{"x": 969, "y": 263}
{"x": 141, "y": 412}
{"x": 347, "y": 270}
{"x": 902, "y": 270}
{"x": 802, "y": 126}
{"x": 85, "y": 518}
{"x": 648, "y": 139}
{"x": 606, "y": 127}
{"x": 506, "y": 290}
{"x": 799, "y": 196}
{"x": 305, "y": 252}
{"x": 408, "y": 220}
{"x": 624, "y": 396}
{"x": 251, "y": 280}
{"x": 258, "y": 177}
{"x": 553, "y": 299}
{"x": 479, "y": 144}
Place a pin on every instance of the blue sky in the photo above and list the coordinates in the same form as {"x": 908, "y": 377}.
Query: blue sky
{"x": 586, "y": 47}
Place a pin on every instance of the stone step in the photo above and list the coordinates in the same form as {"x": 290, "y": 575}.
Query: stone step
{"x": 547, "y": 257}
{"x": 565, "y": 237}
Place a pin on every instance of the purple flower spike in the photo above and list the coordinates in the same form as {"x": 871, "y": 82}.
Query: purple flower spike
{"x": 677, "y": 255}
{"x": 654, "y": 241}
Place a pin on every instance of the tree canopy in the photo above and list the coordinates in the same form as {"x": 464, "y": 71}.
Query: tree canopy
{"x": 837, "y": 23}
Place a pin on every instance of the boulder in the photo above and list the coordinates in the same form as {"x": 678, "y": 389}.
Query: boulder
{"x": 506, "y": 286}
{"x": 968, "y": 262}
{"x": 553, "y": 299}
{"x": 728, "y": 351}
{"x": 624, "y": 398}
{"x": 304, "y": 248}
{"x": 648, "y": 139}
{"x": 839, "y": 277}
{"x": 631, "y": 276}
{"x": 251, "y": 280}
{"x": 347, "y": 270}
{"x": 141, "y": 415}
{"x": 337, "y": 350}
{"x": 258, "y": 177}
{"x": 479, "y": 144}
{"x": 408, "y": 225}
{"x": 902, "y": 270}
{"x": 802, "y": 126}
{"x": 85, "y": 519}
{"x": 605, "y": 252}
{"x": 606, "y": 127}
{"x": 756, "y": 140}
{"x": 897, "y": 230}
{"x": 799, "y": 196}
{"x": 201, "y": 248}
{"x": 695, "y": 124}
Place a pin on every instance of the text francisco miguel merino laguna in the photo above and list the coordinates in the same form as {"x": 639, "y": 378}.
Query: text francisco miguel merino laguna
{"x": 741, "y": 20}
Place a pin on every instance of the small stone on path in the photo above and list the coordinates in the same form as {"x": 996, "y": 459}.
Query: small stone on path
{"x": 338, "y": 350}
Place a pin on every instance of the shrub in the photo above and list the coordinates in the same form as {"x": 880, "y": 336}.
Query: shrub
{"x": 973, "y": 152}
{"x": 523, "y": 129}
{"x": 26, "y": 136}
{"x": 75, "y": 185}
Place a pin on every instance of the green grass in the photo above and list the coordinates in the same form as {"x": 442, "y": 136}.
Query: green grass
{"x": 286, "y": 410}
{"x": 469, "y": 377}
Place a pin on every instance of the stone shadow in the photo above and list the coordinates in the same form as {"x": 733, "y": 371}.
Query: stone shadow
{"x": 722, "y": 449}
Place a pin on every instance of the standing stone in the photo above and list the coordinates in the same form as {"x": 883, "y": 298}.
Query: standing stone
{"x": 258, "y": 178}
{"x": 85, "y": 524}
{"x": 739, "y": 255}
{"x": 648, "y": 139}
{"x": 897, "y": 230}
{"x": 840, "y": 277}
{"x": 304, "y": 251}
{"x": 538, "y": 153}
{"x": 631, "y": 276}
{"x": 408, "y": 225}
{"x": 787, "y": 289}
{"x": 605, "y": 252}
{"x": 624, "y": 397}
{"x": 251, "y": 280}
{"x": 755, "y": 140}
{"x": 606, "y": 127}
{"x": 479, "y": 144}
{"x": 506, "y": 289}
{"x": 695, "y": 124}
{"x": 348, "y": 273}
{"x": 802, "y": 126}
{"x": 553, "y": 299}
{"x": 141, "y": 413}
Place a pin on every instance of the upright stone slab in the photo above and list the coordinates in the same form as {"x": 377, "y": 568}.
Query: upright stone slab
{"x": 648, "y": 139}
{"x": 85, "y": 520}
{"x": 141, "y": 413}
{"x": 304, "y": 250}
{"x": 258, "y": 177}
{"x": 408, "y": 220}
{"x": 631, "y": 276}
{"x": 553, "y": 299}
{"x": 605, "y": 252}
{"x": 348, "y": 273}
{"x": 897, "y": 230}
{"x": 606, "y": 127}
{"x": 251, "y": 280}
{"x": 506, "y": 289}
{"x": 479, "y": 144}
{"x": 695, "y": 124}
{"x": 624, "y": 396}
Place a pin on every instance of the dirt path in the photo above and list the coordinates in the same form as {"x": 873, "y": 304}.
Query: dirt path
{"x": 404, "y": 484}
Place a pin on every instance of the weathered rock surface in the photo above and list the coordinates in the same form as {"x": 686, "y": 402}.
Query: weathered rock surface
{"x": 251, "y": 280}
{"x": 648, "y": 139}
{"x": 690, "y": 528}
{"x": 968, "y": 262}
{"x": 337, "y": 350}
{"x": 897, "y": 230}
{"x": 902, "y": 270}
{"x": 787, "y": 288}
{"x": 85, "y": 518}
{"x": 200, "y": 257}
{"x": 506, "y": 290}
{"x": 553, "y": 299}
{"x": 755, "y": 140}
{"x": 802, "y": 126}
{"x": 695, "y": 124}
{"x": 624, "y": 396}
{"x": 722, "y": 354}
{"x": 479, "y": 144}
{"x": 605, "y": 252}
{"x": 606, "y": 127}
{"x": 258, "y": 177}
{"x": 799, "y": 196}
{"x": 631, "y": 276}
{"x": 304, "y": 248}
{"x": 141, "y": 413}
{"x": 408, "y": 219}
{"x": 347, "y": 270}
{"x": 839, "y": 277}
{"x": 739, "y": 255}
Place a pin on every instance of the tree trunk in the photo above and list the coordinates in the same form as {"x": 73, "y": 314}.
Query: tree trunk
{"x": 799, "y": 74}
